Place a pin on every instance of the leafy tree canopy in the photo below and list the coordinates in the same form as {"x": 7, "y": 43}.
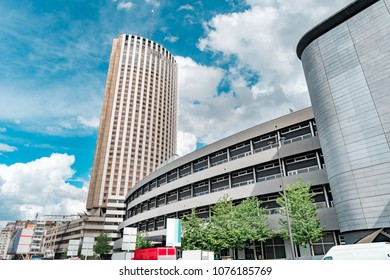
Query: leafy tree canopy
{"x": 305, "y": 226}
{"x": 222, "y": 231}
{"x": 102, "y": 246}
{"x": 252, "y": 222}
{"x": 229, "y": 226}
{"x": 141, "y": 242}
{"x": 194, "y": 229}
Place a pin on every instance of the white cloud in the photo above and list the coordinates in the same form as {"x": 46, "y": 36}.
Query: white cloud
{"x": 93, "y": 122}
{"x": 210, "y": 116}
{"x": 255, "y": 38}
{"x": 7, "y": 148}
{"x": 186, "y": 142}
{"x": 265, "y": 78}
{"x": 265, "y": 36}
{"x": 197, "y": 82}
{"x": 40, "y": 186}
{"x": 3, "y": 129}
{"x": 125, "y": 5}
{"x": 155, "y": 3}
{"x": 186, "y": 7}
{"x": 171, "y": 39}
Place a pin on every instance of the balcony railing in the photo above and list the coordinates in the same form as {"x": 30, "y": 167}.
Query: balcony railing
{"x": 243, "y": 183}
{"x": 302, "y": 170}
{"x": 185, "y": 174}
{"x": 258, "y": 150}
{"x": 202, "y": 193}
{"x": 266, "y": 178}
{"x": 298, "y": 138}
{"x": 219, "y": 162}
{"x": 200, "y": 169}
{"x": 240, "y": 155}
{"x": 185, "y": 197}
{"x": 321, "y": 204}
{"x": 220, "y": 188}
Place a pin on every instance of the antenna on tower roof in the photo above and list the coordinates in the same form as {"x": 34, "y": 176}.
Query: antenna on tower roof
{"x": 151, "y": 25}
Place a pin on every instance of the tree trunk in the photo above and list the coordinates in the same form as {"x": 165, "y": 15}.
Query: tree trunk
{"x": 311, "y": 249}
{"x": 254, "y": 250}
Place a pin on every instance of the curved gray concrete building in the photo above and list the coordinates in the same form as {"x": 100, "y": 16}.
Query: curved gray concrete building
{"x": 243, "y": 165}
{"x": 346, "y": 60}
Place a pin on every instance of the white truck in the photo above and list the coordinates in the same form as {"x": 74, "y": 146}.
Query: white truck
{"x": 122, "y": 256}
{"x": 197, "y": 255}
{"x": 368, "y": 251}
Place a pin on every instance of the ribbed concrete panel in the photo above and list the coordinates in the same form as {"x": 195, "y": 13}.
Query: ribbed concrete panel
{"x": 347, "y": 71}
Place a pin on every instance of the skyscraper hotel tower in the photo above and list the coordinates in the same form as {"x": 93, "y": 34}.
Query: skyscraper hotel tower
{"x": 138, "y": 123}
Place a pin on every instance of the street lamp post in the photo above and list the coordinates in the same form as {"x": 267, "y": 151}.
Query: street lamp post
{"x": 279, "y": 142}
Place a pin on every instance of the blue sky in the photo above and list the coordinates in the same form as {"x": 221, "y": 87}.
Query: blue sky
{"x": 237, "y": 68}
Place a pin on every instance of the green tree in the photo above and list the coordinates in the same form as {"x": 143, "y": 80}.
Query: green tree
{"x": 102, "y": 246}
{"x": 194, "y": 232}
{"x": 141, "y": 242}
{"x": 229, "y": 226}
{"x": 64, "y": 255}
{"x": 305, "y": 226}
{"x": 222, "y": 232}
{"x": 251, "y": 221}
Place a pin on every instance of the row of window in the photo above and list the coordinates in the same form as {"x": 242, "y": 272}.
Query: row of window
{"x": 145, "y": 42}
{"x": 239, "y": 150}
{"x": 140, "y": 65}
{"x": 234, "y": 179}
{"x": 274, "y": 248}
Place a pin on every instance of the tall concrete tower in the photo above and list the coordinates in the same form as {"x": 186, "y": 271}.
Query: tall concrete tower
{"x": 138, "y": 124}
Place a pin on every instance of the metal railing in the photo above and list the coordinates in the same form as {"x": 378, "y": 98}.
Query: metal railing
{"x": 258, "y": 150}
{"x": 302, "y": 170}
{"x": 240, "y": 155}
{"x": 243, "y": 183}
{"x": 185, "y": 174}
{"x": 298, "y": 138}
{"x": 200, "y": 168}
{"x": 202, "y": 193}
{"x": 270, "y": 177}
{"x": 220, "y": 188}
{"x": 219, "y": 162}
{"x": 185, "y": 197}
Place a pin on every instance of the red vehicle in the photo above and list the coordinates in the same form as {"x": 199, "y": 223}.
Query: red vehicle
{"x": 158, "y": 253}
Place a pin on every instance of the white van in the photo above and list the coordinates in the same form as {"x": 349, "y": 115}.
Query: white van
{"x": 368, "y": 251}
